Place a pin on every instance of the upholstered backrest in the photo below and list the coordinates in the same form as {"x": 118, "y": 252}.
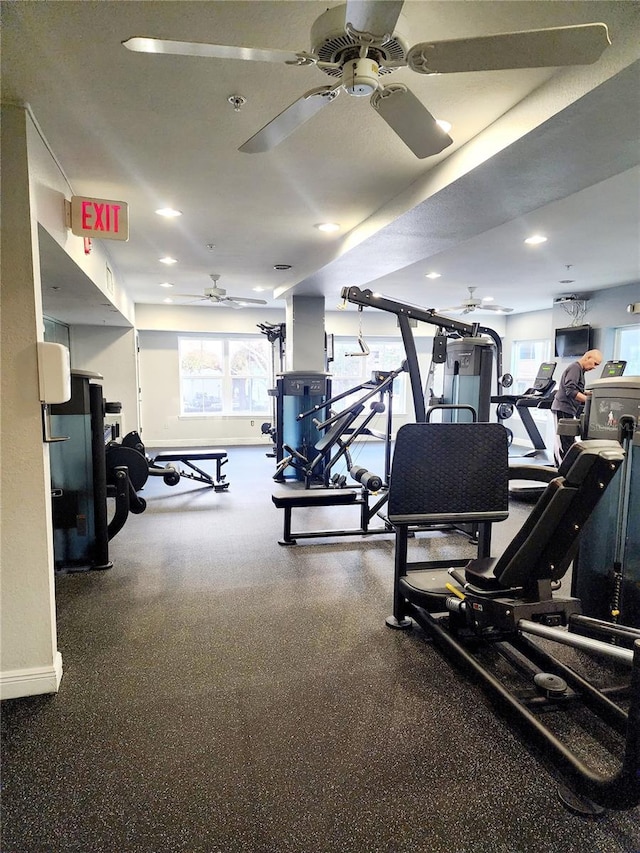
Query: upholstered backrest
{"x": 449, "y": 470}
{"x": 547, "y": 542}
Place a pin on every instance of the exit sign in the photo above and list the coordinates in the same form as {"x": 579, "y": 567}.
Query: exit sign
{"x": 99, "y": 217}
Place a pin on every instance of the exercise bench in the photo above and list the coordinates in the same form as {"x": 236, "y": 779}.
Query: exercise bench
{"x": 189, "y": 458}
{"x": 287, "y": 499}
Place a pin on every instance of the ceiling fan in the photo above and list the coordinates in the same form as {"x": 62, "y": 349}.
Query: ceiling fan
{"x": 473, "y": 304}
{"x": 218, "y": 296}
{"x": 361, "y": 42}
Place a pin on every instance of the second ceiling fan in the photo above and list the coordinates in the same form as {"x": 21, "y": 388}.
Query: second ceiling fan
{"x": 361, "y": 42}
{"x": 217, "y": 295}
{"x": 467, "y": 306}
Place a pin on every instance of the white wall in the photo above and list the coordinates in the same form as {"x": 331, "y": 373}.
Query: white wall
{"x": 34, "y": 189}
{"x": 111, "y": 352}
{"x": 30, "y": 662}
{"x": 50, "y": 189}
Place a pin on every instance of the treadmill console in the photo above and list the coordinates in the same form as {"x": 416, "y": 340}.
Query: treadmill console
{"x": 543, "y": 381}
{"x": 612, "y": 369}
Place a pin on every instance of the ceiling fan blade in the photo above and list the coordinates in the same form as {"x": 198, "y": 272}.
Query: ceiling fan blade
{"x": 500, "y": 308}
{"x": 413, "y": 123}
{"x": 372, "y": 16}
{"x": 242, "y": 299}
{"x": 140, "y": 44}
{"x": 576, "y": 45}
{"x": 291, "y": 119}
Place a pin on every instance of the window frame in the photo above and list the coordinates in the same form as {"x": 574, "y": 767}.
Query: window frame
{"x": 361, "y": 368}
{"x": 227, "y": 380}
{"x": 523, "y": 377}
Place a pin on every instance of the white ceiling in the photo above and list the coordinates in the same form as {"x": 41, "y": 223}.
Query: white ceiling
{"x": 555, "y": 151}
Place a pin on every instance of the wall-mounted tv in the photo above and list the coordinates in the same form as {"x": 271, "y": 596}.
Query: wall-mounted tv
{"x": 573, "y": 341}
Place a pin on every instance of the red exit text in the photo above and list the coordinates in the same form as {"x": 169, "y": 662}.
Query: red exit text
{"x": 98, "y": 217}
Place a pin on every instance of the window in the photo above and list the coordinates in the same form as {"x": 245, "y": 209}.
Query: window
{"x": 348, "y": 371}
{"x": 627, "y": 347}
{"x": 224, "y": 376}
{"x": 526, "y": 358}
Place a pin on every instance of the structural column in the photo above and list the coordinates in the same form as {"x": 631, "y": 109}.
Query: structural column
{"x": 305, "y": 343}
{"x": 29, "y": 660}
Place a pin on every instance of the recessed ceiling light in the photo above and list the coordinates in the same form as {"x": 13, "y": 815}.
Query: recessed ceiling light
{"x": 166, "y": 284}
{"x": 433, "y": 275}
{"x": 168, "y": 212}
{"x": 535, "y": 239}
{"x": 167, "y": 300}
{"x": 445, "y": 125}
{"x": 168, "y": 261}
{"x": 283, "y": 266}
{"x": 487, "y": 298}
{"x": 328, "y": 226}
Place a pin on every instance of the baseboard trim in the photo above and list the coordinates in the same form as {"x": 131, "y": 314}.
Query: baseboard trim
{"x": 17, "y": 683}
{"x": 202, "y": 442}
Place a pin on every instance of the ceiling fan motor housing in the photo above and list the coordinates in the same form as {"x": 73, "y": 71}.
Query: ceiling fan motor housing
{"x": 330, "y": 43}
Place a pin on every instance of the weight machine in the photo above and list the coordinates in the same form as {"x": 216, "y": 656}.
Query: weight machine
{"x": 338, "y": 432}
{"x": 82, "y": 480}
{"x": 484, "y": 616}
{"x": 407, "y": 313}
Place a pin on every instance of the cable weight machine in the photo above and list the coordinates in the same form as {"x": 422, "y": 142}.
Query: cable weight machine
{"x": 462, "y": 369}
{"x": 338, "y": 432}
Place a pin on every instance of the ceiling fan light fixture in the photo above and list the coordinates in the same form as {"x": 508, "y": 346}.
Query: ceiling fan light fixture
{"x": 328, "y": 227}
{"x": 360, "y": 77}
{"x": 535, "y": 240}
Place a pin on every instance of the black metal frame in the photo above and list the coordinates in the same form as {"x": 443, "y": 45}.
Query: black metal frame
{"x": 405, "y": 314}
{"x": 218, "y": 482}
{"x": 330, "y": 497}
{"x": 620, "y": 790}
{"x": 500, "y": 605}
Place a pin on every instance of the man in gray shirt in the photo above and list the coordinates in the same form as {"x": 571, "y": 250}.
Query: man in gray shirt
{"x": 570, "y": 396}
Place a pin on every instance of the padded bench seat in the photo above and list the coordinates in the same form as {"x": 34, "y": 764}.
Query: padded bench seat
{"x": 288, "y": 499}
{"x": 314, "y": 497}
{"x": 201, "y": 455}
{"x": 189, "y": 458}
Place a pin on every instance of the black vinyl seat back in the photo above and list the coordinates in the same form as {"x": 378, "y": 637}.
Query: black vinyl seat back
{"x": 547, "y": 542}
{"x": 449, "y": 469}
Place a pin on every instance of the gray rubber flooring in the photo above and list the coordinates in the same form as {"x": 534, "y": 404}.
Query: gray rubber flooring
{"x": 223, "y": 694}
